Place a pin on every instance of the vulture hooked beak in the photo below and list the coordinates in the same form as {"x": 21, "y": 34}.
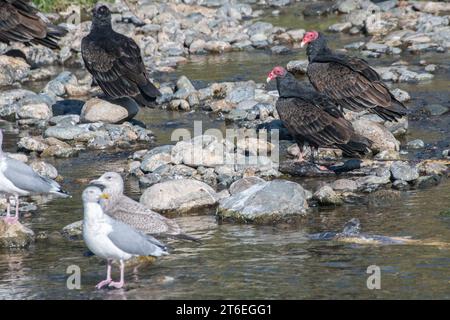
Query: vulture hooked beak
{"x": 302, "y": 44}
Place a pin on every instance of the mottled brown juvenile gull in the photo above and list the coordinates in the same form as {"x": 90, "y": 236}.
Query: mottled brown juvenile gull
{"x": 19, "y": 179}
{"x": 131, "y": 212}
{"x": 113, "y": 240}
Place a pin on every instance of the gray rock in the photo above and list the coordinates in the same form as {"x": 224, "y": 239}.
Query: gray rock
{"x": 340, "y": 27}
{"x": 98, "y": 110}
{"x": 346, "y": 6}
{"x": 403, "y": 171}
{"x": 40, "y": 111}
{"x": 44, "y": 169}
{"x": 65, "y": 132}
{"x": 401, "y": 95}
{"x": 36, "y": 143}
{"x": 415, "y": 144}
{"x": 73, "y": 231}
{"x": 428, "y": 181}
{"x": 15, "y": 235}
{"x": 297, "y": 66}
{"x": 13, "y": 70}
{"x": 184, "y": 83}
{"x": 242, "y": 91}
{"x": 181, "y": 196}
{"x": 244, "y": 183}
{"x": 381, "y": 137}
{"x": 66, "y": 120}
{"x": 344, "y": 185}
{"x": 327, "y": 196}
{"x": 280, "y": 50}
{"x": 266, "y": 203}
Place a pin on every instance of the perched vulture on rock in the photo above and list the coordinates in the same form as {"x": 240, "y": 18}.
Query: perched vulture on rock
{"x": 20, "y": 21}
{"x": 349, "y": 81}
{"x": 314, "y": 118}
{"x": 115, "y": 61}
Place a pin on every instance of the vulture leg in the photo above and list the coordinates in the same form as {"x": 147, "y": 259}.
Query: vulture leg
{"x": 314, "y": 151}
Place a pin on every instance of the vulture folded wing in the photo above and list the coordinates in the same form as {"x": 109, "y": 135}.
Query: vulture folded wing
{"x": 309, "y": 123}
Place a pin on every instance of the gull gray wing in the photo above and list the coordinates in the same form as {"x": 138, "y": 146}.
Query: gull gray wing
{"x": 25, "y": 178}
{"x": 133, "y": 242}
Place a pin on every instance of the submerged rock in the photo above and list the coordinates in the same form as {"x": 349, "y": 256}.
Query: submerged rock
{"x": 15, "y": 235}
{"x": 179, "y": 196}
{"x": 265, "y": 203}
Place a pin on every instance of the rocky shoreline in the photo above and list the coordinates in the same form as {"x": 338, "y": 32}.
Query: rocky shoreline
{"x": 68, "y": 115}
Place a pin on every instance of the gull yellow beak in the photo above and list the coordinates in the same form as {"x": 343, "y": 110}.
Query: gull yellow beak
{"x": 104, "y": 196}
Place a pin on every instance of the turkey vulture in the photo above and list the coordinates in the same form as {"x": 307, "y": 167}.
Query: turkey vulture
{"x": 314, "y": 118}
{"x": 349, "y": 81}
{"x": 20, "y": 21}
{"x": 115, "y": 61}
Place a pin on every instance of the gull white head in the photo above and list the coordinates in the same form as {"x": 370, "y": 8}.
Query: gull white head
{"x": 93, "y": 194}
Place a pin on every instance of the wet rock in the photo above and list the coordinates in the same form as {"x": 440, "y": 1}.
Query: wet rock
{"x": 152, "y": 163}
{"x": 387, "y": 155}
{"x": 40, "y": 111}
{"x": 65, "y": 132}
{"x": 244, "y": 183}
{"x": 428, "y": 182}
{"x": 98, "y": 110}
{"x": 58, "y": 149}
{"x": 347, "y": 6}
{"x": 179, "y": 104}
{"x": 379, "y": 24}
{"x": 415, "y": 144}
{"x": 327, "y": 196}
{"x": 381, "y": 137}
{"x": 436, "y": 109}
{"x": 180, "y": 196}
{"x": 280, "y": 50}
{"x": 66, "y": 120}
{"x": 403, "y": 171}
{"x": 265, "y": 203}
{"x": 401, "y": 185}
{"x": 242, "y": 91}
{"x": 344, "y": 185}
{"x": 217, "y": 46}
{"x": 15, "y": 235}
{"x": 297, "y": 66}
{"x": 36, "y": 143}
{"x": 44, "y": 169}
{"x": 73, "y": 231}
{"x": 401, "y": 95}
{"x": 340, "y": 27}
{"x": 197, "y": 46}
{"x": 432, "y": 168}
{"x": 13, "y": 70}
{"x": 184, "y": 83}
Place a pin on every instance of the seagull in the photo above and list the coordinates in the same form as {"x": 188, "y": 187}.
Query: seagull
{"x": 113, "y": 240}
{"x": 19, "y": 179}
{"x": 133, "y": 213}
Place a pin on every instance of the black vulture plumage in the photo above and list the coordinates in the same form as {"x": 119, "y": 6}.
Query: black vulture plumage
{"x": 349, "y": 81}
{"x": 115, "y": 61}
{"x": 20, "y": 21}
{"x": 314, "y": 118}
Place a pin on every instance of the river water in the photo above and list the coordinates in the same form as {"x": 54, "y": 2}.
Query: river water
{"x": 245, "y": 261}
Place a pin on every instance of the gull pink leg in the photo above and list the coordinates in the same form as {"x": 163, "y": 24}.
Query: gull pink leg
{"x": 108, "y": 277}
{"x": 120, "y": 284}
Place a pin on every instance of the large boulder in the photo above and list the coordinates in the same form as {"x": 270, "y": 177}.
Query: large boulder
{"x": 179, "y": 196}
{"x": 266, "y": 203}
{"x": 381, "y": 137}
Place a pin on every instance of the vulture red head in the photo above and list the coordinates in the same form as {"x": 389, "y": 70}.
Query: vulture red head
{"x": 309, "y": 37}
{"x": 276, "y": 72}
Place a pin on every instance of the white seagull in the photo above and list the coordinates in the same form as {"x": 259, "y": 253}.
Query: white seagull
{"x": 113, "y": 240}
{"x": 19, "y": 179}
